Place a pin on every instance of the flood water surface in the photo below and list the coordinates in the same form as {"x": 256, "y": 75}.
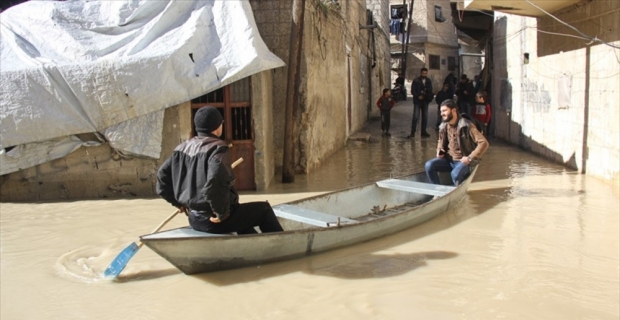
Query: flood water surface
{"x": 531, "y": 240}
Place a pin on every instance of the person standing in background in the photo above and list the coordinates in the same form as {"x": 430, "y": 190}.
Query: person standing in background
{"x": 482, "y": 111}
{"x": 440, "y": 97}
{"x": 385, "y": 103}
{"x": 450, "y": 80}
{"x": 422, "y": 92}
{"x": 465, "y": 95}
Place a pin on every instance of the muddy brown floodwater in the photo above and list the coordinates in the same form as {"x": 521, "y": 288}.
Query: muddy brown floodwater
{"x": 531, "y": 240}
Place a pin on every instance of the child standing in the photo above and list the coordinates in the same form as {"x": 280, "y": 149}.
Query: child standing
{"x": 385, "y": 104}
{"x": 482, "y": 112}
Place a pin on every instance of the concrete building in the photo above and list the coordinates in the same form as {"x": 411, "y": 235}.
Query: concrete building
{"x": 344, "y": 67}
{"x": 556, "y": 80}
{"x": 432, "y": 40}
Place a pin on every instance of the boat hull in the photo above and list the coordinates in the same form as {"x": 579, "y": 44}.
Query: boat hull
{"x": 195, "y": 252}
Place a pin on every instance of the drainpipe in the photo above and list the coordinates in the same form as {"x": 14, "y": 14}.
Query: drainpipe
{"x": 373, "y": 63}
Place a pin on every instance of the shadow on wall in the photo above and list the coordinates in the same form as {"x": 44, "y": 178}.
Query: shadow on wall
{"x": 502, "y": 125}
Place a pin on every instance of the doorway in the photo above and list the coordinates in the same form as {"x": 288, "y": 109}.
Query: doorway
{"x": 235, "y": 104}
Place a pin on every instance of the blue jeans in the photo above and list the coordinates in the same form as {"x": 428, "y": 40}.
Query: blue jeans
{"x": 458, "y": 171}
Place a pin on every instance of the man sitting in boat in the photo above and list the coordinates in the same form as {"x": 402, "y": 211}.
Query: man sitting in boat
{"x": 459, "y": 148}
{"x": 198, "y": 179}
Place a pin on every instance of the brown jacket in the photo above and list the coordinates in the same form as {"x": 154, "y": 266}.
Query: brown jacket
{"x": 471, "y": 142}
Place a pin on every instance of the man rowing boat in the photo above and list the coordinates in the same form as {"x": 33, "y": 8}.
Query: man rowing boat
{"x": 198, "y": 179}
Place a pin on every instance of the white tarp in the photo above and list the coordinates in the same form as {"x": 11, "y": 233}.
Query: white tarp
{"x": 74, "y": 67}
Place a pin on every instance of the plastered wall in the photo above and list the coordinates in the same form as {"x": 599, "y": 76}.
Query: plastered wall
{"x": 562, "y": 102}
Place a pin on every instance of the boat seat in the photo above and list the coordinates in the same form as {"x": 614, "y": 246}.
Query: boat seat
{"x": 308, "y": 216}
{"x": 416, "y": 187}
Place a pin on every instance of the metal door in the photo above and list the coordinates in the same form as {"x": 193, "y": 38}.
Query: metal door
{"x": 235, "y": 104}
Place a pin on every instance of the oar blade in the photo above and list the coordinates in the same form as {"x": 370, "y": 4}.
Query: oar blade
{"x": 119, "y": 263}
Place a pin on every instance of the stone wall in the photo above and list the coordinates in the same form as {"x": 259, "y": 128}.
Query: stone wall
{"x": 562, "y": 101}
{"x": 337, "y": 84}
{"x": 97, "y": 172}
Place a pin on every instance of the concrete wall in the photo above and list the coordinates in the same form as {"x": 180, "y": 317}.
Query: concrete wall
{"x": 429, "y": 37}
{"x": 97, "y": 172}
{"x": 335, "y": 66}
{"x": 563, "y": 102}
{"x": 469, "y": 65}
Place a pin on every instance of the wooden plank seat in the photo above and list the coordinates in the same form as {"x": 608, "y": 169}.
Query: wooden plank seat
{"x": 416, "y": 187}
{"x": 308, "y": 216}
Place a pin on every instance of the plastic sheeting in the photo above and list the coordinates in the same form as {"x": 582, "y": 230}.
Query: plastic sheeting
{"x": 113, "y": 66}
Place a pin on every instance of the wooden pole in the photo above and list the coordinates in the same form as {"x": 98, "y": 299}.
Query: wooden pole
{"x": 292, "y": 91}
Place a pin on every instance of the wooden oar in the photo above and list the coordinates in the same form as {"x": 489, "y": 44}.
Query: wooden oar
{"x": 121, "y": 260}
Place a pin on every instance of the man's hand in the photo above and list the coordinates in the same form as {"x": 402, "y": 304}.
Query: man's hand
{"x": 465, "y": 160}
{"x": 182, "y": 209}
{"x": 215, "y": 220}
{"x": 421, "y": 97}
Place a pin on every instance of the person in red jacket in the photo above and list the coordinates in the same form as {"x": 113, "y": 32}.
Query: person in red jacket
{"x": 482, "y": 111}
{"x": 385, "y": 104}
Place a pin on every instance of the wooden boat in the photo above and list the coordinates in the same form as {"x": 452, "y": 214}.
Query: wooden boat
{"x": 312, "y": 225}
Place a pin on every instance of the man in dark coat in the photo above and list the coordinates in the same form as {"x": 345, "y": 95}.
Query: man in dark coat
{"x": 465, "y": 95}
{"x": 422, "y": 92}
{"x": 198, "y": 179}
{"x": 440, "y": 97}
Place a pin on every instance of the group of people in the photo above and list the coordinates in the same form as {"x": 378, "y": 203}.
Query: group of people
{"x": 462, "y": 124}
{"x": 198, "y": 177}
{"x": 472, "y": 101}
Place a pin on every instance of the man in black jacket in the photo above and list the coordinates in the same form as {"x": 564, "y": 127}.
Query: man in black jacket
{"x": 198, "y": 179}
{"x": 440, "y": 97}
{"x": 465, "y": 94}
{"x": 422, "y": 91}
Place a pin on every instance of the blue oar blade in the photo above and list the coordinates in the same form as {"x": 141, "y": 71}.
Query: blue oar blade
{"x": 119, "y": 263}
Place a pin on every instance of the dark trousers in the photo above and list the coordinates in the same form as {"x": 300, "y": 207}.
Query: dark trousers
{"x": 421, "y": 108}
{"x": 464, "y": 107}
{"x": 242, "y": 220}
{"x": 385, "y": 120}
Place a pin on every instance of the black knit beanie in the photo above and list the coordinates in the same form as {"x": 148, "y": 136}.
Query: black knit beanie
{"x": 207, "y": 119}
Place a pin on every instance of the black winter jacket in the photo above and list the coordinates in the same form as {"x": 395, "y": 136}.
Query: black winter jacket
{"x": 198, "y": 176}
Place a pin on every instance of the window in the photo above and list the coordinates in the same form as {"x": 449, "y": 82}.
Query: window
{"x": 433, "y": 62}
{"x": 234, "y": 103}
{"x": 451, "y": 64}
{"x": 398, "y": 12}
{"x": 438, "y": 15}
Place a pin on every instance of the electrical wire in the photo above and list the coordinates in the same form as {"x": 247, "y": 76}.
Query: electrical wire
{"x": 592, "y": 39}
{"x": 590, "y": 17}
